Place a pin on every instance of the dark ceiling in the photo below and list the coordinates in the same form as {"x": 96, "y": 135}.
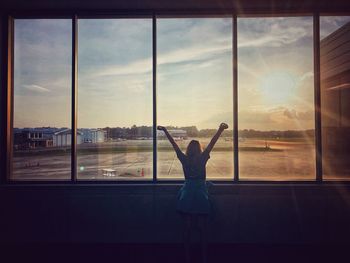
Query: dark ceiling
{"x": 239, "y": 6}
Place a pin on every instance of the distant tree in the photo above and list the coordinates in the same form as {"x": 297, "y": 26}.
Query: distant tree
{"x": 192, "y": 131}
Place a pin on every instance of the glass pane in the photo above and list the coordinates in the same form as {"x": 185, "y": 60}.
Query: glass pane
{"x": 276, "y": 98}
{"x": 115, "y": 99}
{"x": 195, "y": 94}
{"x": 42, "y": 99}
{"x": 335, "y": 96}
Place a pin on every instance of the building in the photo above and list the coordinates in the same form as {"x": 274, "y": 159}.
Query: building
{"x": 335, "y": 100}
{"x": 93, "y": 135}
{"x": 31, "y": 138}
{"x": 64, "y": 138}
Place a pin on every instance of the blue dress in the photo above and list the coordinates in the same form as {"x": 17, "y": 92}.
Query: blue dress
{"x": 193, "y": 196}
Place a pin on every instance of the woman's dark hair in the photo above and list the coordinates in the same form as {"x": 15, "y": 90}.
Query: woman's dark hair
{"x": 194, "y": 149}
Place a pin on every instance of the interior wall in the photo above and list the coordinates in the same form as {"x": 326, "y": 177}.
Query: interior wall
{"x": 244, "y": 213}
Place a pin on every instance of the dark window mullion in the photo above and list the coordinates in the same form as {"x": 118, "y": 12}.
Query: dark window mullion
{"x": 235, "y": 97}
{"x": 154, "y": 93}
{"x": 8, "y": 99}
{"x": 74, "y": 98}
{"x": 317, "y": 96}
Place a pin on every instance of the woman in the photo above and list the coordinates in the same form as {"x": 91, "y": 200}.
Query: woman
{"x": 193, "y": 202}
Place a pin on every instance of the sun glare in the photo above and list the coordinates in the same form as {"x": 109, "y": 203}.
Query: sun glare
{"x": 277, "y": 87}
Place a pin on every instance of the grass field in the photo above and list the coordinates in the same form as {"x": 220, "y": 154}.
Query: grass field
{"x": 133, "y": 160}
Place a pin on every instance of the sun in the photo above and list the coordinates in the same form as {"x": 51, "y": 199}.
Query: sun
{"x": 277, "y": 87}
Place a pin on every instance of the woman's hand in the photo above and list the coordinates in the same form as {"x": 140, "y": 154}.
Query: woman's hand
{"x": 223, "y": 126}
{"x": 161, "y": 128}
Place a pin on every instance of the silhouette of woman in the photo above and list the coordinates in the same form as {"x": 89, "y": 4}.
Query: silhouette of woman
{"x": 193, "y": 201}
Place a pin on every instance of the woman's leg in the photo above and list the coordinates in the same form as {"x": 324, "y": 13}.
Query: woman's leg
{"x": 203, "y": 228}
{"x": 187, "y": 235}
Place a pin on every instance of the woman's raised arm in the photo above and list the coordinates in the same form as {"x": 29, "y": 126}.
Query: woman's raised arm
{"x": 222, "y": 127}
{"x": 171, "y": 140}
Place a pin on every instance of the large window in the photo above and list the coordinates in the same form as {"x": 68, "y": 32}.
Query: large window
{"x": 114, "y": 135}
{"x": 276, "y": 98}
{"x": 335, "y": 96}
{"x": 194, "y": 76}
{"x": 42, "y": 99}
{"x": 182, "y": 73}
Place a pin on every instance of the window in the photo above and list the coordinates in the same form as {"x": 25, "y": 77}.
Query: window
{"x": 42, "y": 99}
{"x": 276, "y": 98}
{"x": 194, "y": 85}
{"x": 114, "y": 139}
{"x": 276, "y": 133}
{"x": 335, "y": 96}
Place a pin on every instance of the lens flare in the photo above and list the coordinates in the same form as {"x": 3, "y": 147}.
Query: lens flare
{"x": 278, "y": 87}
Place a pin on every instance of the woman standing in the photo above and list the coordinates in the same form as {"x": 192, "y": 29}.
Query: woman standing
{"x": 193, "y": 202}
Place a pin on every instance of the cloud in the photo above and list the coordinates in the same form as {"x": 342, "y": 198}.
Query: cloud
{"x": 272, "y": 41}
{"x": 329, "y": 24}
{"x": 275, "y": 118}
{"x": 141, "y": 66}
{"x": 291, "y": 114}
{"x": 180, "y": 42}
{"x": 36, "y": 88}
{"x": 306, "y": 76}
{"x": 299, "y": 115}
{"x": 271, "y": 32}
{"x": 192, "y": 54}
{"x": 139, "y": 85}
{"x": 214, "y": 120}
{"x": 248, "y": 70}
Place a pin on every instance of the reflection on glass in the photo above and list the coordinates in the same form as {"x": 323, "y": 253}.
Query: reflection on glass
{"x": 276, "y": 99}
{"x": 42, "y": 97}
{"x": 335, "y": 96}
{"x": 194, "y": 88}
{"x": 115, "y": 99}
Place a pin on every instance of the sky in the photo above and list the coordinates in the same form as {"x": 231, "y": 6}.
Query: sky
{"x": 194, "y": 72}
{"x": 275, "y": 73}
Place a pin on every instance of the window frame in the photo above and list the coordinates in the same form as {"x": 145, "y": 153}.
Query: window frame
{"x": 234, "y": 175}
{"x": 8, "y": 96}
{"x": 317, "y": 176}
